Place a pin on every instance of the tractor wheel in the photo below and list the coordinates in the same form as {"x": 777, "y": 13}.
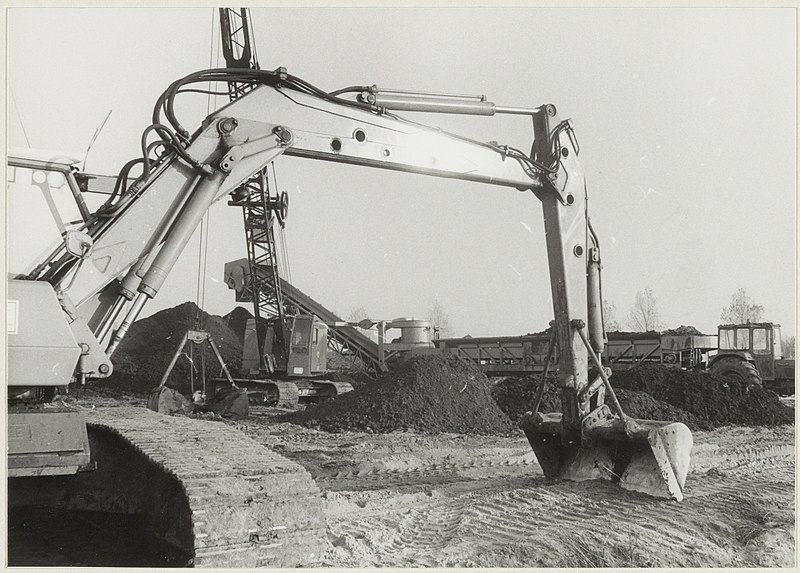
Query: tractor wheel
{"x": 737, "y": 369}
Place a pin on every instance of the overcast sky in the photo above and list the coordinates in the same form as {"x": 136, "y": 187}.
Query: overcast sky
{"x": 685, "y": 118}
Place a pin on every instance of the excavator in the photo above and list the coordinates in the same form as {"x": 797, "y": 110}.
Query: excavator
{"x": 224, "y": 500}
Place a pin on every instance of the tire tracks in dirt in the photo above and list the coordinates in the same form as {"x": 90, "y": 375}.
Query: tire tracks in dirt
{"x": 498, "y": 513}
{"x": 434, "y": 474}
{"x": 479, "y": 508}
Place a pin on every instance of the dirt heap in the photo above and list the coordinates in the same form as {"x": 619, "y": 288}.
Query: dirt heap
{"x": 237, "y": 321}
{"x": 712, "y": 400}
{"x": 144, "y": 354}
{"x": 700, "y": 400}
{"x": 683, "y": 330}
{"x": 516, "y": 395}
{"x": 429, "y": 394}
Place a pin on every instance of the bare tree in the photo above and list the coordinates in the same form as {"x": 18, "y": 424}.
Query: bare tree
{"x": 644, "y": 315}
{"x": 358, "y": 314}
{"x": 439, "y": 319}
{"x": 741, "y": 309}
{"x": 610, "y": 322}
{"x": 788, "y": 347}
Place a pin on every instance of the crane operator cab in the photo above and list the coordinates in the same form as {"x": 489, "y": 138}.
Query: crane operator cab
{"x": 307, "y": 348}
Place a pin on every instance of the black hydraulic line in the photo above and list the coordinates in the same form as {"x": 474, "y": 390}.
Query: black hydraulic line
{"x": 273, "y": 78}
{"x": 350, "y": 89}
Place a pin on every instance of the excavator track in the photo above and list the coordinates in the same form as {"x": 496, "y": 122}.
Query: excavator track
{"x": 204, "y": 487}
{"x": 288, "y": 393}
{"x": 316, "y": 390}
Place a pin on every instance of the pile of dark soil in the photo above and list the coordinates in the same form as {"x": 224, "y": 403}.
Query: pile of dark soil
{"x": 700, "y": 400}
{"x": 683, "y": 330}
{"x": 643, "y": 406}
{"x": 237, "y": 321}
{"x": 144, "y": 354}
{"x": 516, "y": 395}
{"x": 428, "y": 394}
{"x": 712, "y": 400}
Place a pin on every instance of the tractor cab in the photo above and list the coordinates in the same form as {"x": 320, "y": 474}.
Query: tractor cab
{"x": 756, "y": 342}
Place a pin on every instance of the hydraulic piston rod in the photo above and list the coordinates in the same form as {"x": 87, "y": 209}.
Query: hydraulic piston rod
{"x": 440, "y": 104}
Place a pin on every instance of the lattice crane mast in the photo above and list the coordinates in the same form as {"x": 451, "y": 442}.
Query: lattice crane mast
{"x": 259, "y": 208}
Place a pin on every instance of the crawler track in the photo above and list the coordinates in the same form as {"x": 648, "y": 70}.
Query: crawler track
{"x": 201, "y": 486}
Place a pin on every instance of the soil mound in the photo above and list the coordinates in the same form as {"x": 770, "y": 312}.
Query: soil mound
{"x": 643, "y": 406}
{"x": 237, "y": 321}
{"x": 712, "y": 400}
{"x": 428, "y": 394}
{"x": 144, "y": 354}
{"x": 683, "y": 330}
{"x": 700, "y": 400}
{"x": 516, "y": 395}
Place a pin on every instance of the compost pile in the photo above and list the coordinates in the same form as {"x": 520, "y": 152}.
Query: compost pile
{"x": 145, "y": 352}
{"x": 700, "y": 400}
{"x": 427, "y": 394}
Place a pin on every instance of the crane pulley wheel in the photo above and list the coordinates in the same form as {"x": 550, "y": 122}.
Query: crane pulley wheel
{"x": 282, "y": 207}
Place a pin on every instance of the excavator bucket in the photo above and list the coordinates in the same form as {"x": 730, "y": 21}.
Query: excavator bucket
{"x": 647, "y": 456}
{"x": 230, "y": 403}
{"x": 168, "y": 401}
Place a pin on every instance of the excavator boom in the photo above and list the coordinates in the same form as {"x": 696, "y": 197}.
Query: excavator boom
{"x": 100, "y": 280}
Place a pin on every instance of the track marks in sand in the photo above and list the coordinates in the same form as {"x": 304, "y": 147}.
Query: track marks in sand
{"x": 434, "y": 474}
{"x": 536, "y": 523}
{"x": 422, "y": 535}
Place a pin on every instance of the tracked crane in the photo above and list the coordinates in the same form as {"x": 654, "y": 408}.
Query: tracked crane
{"x": 286, "y": 342}
{"x": 260, "y": 210}
{"x": 77, "y": 302}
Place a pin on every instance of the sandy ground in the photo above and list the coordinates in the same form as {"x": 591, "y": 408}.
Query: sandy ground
{"x": 409, "y": 500}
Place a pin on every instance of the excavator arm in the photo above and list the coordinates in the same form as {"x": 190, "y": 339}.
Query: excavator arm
{"x": 136, "y": 240}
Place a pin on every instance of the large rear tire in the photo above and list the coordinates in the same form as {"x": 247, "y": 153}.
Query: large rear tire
{"x": 737, "y": 369}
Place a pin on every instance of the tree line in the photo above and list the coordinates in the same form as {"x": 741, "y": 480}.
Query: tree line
{"x": 644, "y": 315}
